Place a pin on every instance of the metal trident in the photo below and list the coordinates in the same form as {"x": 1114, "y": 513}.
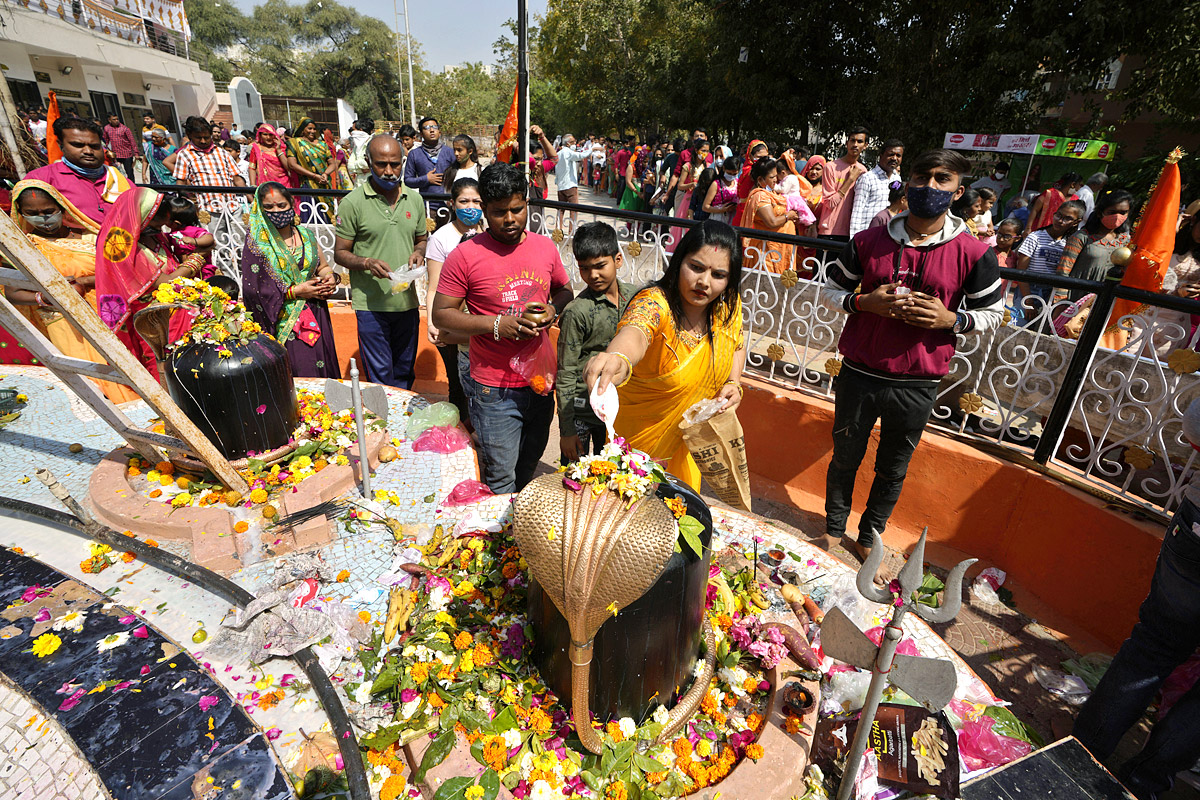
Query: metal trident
{"x": 931, "y": 682}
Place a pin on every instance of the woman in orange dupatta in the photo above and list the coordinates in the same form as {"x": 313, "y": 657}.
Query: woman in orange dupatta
{"x": 813, "y": 170}
{"x": 67, "y": 238}
{"x": 679, "y": 342}
{"x": 766, "y": 210}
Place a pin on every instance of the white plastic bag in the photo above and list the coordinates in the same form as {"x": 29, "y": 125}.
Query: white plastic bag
{"x": 605, "y": 405}
{"x": 402, "y": 278}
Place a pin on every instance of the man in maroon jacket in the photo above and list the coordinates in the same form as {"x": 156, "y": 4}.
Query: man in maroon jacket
{"x": 908, "y": 288}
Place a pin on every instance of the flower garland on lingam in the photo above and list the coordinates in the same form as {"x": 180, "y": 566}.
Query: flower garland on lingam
{"x": 218, "y": 318}
{"x": 452, "y": 663}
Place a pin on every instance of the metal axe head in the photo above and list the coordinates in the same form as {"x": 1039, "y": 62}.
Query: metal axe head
{"x": 929, "y": 681}
{"x": 339, "y": 396}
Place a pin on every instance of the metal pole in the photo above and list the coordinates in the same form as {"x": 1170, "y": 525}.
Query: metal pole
{"x": 523, "y": 85}
{"x": 412, "y": 95}
{"x": 1025, "y": 182}
{"x": 6, "y": 122}
{"x": 399, "y": 61}
{"x": 879, "y": 679}
{"x": 364, "y": 463}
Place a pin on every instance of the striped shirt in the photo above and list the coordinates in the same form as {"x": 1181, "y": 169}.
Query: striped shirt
{"x": 214, "y": 168}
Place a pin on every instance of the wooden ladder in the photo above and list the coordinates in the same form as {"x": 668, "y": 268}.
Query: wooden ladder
{"x": 34, "y": 272}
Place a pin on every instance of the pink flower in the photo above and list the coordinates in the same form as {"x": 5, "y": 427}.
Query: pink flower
{"x": 72, "y": 701}
{"x": 274, "y": 734}
{"x": 208, "y": 701}
{"x": 408, "y": 695}
{"x": 42, "y": 616}
{"x": 145, "y": 670}
{"x": 34, "y": 592}
{"x": 286, "y": 680}
{"x": 127, "y": 619}
{"x": 574, "y": 486}
{"x": 122, "y": 685}
{"x": 141, "y": 633}
{"x": 261, "y": 409}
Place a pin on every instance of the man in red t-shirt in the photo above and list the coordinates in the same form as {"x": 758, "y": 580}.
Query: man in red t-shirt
{"x": 497, "y": 274}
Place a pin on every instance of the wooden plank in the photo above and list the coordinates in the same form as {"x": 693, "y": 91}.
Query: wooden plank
{"x": 29, "y": 260}
{"x": 103, "y": 372}
{"x": 1064, "y": 770}
{"x": 15, "y": 279}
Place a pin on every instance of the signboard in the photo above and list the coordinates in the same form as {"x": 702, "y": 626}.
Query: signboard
{"x": 1032, "y": 144}
{"x": 41, "y": 77}
{"x": 1066, "y": 147}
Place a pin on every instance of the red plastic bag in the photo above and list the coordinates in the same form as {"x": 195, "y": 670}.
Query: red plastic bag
{"x": 444, "y": 439}
{"x": 467, "y": 492}
{"x": 980, "y": 747}
{"x": 537, "y": 363}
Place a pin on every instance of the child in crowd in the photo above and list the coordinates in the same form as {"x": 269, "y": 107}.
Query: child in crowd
{"x": 1008, "y": 233}
{"x": 187, "y": 236}
{"x": 1042, "y": 250}
{"x": 897, "y": 202}
{"x": 985, "y": 229}
{"x": 587, "y": 326}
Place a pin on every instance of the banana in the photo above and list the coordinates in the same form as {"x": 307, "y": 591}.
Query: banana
{"x": 400, "y": 607}
{"x": 757, "y": 597}
{"x": 449, "y": 552}
{"x": 725, "y": 593}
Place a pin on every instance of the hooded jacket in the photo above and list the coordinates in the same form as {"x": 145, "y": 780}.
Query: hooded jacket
{"x": 952, "y": 265}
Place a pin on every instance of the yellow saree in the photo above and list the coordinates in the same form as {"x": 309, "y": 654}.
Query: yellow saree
{"x": 678, "y": 370}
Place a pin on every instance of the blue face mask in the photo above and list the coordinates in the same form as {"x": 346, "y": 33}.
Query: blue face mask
{"x": 928, "y": 202}
{"x": 386, "y": 184}
{"x": 469, "y": 216}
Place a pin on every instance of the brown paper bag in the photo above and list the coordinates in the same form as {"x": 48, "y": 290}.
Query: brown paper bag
{"x": 719, "y": 448}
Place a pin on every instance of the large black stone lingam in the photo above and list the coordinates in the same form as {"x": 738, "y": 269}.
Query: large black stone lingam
{"x": 245, "y": 402}
{"x": 644, "y": 656}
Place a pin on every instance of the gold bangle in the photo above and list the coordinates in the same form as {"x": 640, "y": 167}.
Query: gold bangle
{"x": 741, "y": 390}
{"x": 628, "y": 364}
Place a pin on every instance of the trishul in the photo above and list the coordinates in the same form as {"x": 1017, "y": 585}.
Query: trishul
{"x": 931, "y": 682}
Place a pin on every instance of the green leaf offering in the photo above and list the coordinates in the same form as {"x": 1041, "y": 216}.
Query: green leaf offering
{"x": 453, "y": 788}
{"x": 691, "y": 528}
{"x": 439, "y": 748}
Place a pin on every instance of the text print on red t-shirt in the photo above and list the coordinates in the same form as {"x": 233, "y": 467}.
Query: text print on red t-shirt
{"x": 517, "y": 290}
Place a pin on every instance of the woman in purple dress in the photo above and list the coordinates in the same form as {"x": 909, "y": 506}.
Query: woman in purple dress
{"x": 285, "y": 283}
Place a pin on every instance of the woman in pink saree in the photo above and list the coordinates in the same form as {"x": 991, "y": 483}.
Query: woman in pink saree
{"x": 268, "y": 161}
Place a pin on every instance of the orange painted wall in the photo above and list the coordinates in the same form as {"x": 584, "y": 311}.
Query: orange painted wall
{"x": 1073, "y": 564}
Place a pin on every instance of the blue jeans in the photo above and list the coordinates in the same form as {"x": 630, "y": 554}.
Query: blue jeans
{"x": 1166, "y": 634}
{"x": 513, "y": 426}
{"x": 387, "y": 343}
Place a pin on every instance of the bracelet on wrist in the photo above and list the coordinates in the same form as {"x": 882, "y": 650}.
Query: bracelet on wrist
{"x": 496, "y": 328}
{"x": 738, "y": 384}
{"x": 628, "y": 366}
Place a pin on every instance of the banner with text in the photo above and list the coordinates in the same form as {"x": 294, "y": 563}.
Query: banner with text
{"x": 1032, "y": 144}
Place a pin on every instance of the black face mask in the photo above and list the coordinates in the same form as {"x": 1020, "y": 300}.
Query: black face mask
{"x": 281, "y": 219}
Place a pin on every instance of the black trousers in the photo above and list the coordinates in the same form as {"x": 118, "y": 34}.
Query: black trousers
{"x": 127, "y": 165}
{"x": 902, "y": 410}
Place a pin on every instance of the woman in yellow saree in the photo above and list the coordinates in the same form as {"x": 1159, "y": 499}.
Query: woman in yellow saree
{"x": 679, "y": 342}
{"x": 67, "y": 238}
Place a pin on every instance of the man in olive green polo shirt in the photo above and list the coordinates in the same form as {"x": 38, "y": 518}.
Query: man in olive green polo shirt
{"x": 381, "y": 227}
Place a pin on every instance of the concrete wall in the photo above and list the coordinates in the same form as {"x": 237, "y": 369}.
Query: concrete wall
{"x": 245, "y": 103}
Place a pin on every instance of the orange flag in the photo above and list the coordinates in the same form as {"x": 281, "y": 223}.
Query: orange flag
{"x": 507, "y": 145}
{"x": 1152, "y": 243}
{"x": 53, "y": 151}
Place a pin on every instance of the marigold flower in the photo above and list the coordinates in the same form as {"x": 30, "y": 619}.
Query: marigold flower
{"x": 509, "y": 570}
{"x": 133, "y": 472}
{"x": 364, "y": 617}
{"x": 343, "y": 576}
{"x": 754, "y": 721}
{"x": 655, "y": 778}
{"x": 682, "y": 747}
{"x": 792, "y": 724}
{"x": 704, "y": 748}
{"x": 156, "y": 493}
{"x": 46, "y": 644}
{"x": 394, "y": 787}
{"x": 270, "y": 700}
{"x": 435, "y": 701}
{"x": 320, "y": 464}
{"x": 730, "y": 701}
{"x": 473, "y": 793}
{"x": 269, "y": 512}
{"x": 258, "y": 496}
{"x": 540, "y": 721}
{"x": 616, "y": 791}
{"x": 482, "y": 655}
{"x": 165, "y": 468}
{"x": 495, "y": 753}
{"x": 241, "y": 526}
{"x": 181, "y": 499}
{"x": 419, "y": 672}
{"x": 614, "y": 732}
{"x": 750, "y": 685}
{"x": 677, "y": 506}
{"x": 709, "y": 704}
{"x": 183, "y": 481}
{"x": 754, "y": 751}
{"x": 165, "y": 480}
{"x": 128, "y": 556}
{"x": 232, "y": 498}
{"x": 463, "y": 640}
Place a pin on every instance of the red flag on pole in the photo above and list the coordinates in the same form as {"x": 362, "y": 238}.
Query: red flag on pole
{"x": 508, "y": 134}
{"x": 53, "y": 151}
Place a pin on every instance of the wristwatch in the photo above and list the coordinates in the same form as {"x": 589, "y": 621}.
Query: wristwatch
{"x": 960, "y": 322}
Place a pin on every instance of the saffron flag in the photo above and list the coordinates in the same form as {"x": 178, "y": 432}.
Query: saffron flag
{"x": 53, "y": 151}
{"x": 1152, "y": 243}
{"x": 508, "y": 133}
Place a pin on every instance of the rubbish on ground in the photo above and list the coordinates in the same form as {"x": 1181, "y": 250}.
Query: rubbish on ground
{"x": 985, "y": 586}
{"x": 444, "y": 439}
{"x": 1070, "y": 688}
{"x": 437, "y": 415}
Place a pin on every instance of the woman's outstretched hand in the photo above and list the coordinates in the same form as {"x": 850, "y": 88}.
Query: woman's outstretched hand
{"x": 604, "y": 369}
{"x": 731, "y": 393}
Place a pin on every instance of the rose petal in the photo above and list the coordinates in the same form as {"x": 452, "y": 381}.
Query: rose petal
{"x": 145, "y": 670}
{"x": 274, "y": 734}
{"x": 127, "y": 619}
{"x": 42, "y": 616}
{"x": 261, "y": 409}
{"x": 141, "y": 632}
{"x": 208, "y": 701}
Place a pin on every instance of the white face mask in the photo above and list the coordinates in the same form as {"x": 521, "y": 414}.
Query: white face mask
{"x": 1000, "y": 175}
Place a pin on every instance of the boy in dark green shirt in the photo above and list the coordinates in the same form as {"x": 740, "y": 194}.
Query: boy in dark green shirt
{"x": 587, "y": 326}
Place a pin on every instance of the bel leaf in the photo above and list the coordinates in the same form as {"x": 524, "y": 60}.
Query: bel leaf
{"x": 439, "y": 748}
{"x": 490, "y": 782}
{"x": 691, "y": 528}
{"x": 453, "y": 788}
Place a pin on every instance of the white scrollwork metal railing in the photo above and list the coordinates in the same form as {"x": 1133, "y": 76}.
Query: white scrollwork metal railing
{"x": 1122, "y": 434}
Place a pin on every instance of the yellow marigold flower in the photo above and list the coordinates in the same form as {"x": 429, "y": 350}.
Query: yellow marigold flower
{"x": 181, "y": 499}
{"x": 750, "y": 685}
{"x": 473, "y": 793}
{"x": 463, "y": 589}
{"x": 46, "y": 644}
{"x": 754, "y": 751}
{"x": 343, "y": 576}
{"x": 602, "y": 468}
{"x": 133, "y": 472}
{"x": 364, "y": 617}
{"x": 393, "y": 788}
{"x": 258, "y": 496}
{"x": 165, "y": 480}
{"x": 482, "y": 655}
{"x": 709, "y": 704}
{"x": 655, "y": 778}
{"x": 616, "y": 790}
{"x": 22, "y": 398}
{"x": 269, "y": 512}
{"x": 792, "y": 724}
{"x": 419, "y": 672}
{"x": 677, "y": 506}
{"x": 540, "y": 721}
{"x": 156, "y": 493}
{"x": 614, "y": 732}
{"x": 183, "y": 481}
{"x": 463, "y": 640}
{"x": 165, "y": 468}
{"x": 467, "y": 662}
{"x": 754, "y": 721}
{"x": 241, "y": 526}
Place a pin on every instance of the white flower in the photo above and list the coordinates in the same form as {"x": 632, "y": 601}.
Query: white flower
{"x": 70, "y": 621}
{"x": 512, "y": 738}
{"x": 343, "y": 441}
{"x": 698, "y": 669}
{"x": 112, "y": 640}
{"x": 543, "y": 791}
{"x": 734, "y": 678}
{"x": 525, "y": 763}
{"x": 362, "y": 695}
{"x": 439, "y": 599}
{"x": 661, "y": 715}
{"x": 409, "y": 708}
{"x": 628, "y": 726}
